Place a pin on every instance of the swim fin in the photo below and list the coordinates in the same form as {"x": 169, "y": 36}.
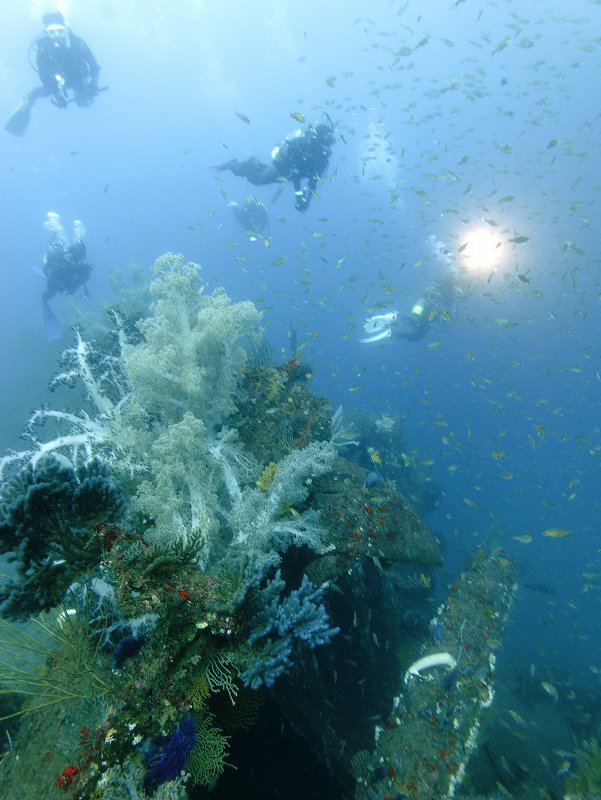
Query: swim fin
{"x": 377, "y": 337}
{"x": 51, "y": 326}
{"x": 19, "y": 119}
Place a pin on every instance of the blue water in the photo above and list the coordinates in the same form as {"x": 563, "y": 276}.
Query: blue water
{"x": 496, "y": 100}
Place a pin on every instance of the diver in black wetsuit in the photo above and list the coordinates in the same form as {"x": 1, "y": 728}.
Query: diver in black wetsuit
{"x": 430, "y": 308}
{"x": 302, "y": 158}
{"x": 66, "y": 268}
{"x": 65, "y": 65}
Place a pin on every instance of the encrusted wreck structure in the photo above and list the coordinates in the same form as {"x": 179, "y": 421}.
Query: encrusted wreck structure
{"x": 214, "y": 597}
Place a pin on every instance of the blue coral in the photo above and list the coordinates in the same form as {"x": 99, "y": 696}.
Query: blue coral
{"x": 278, "y": 621}
{"x": 169, "y": 755}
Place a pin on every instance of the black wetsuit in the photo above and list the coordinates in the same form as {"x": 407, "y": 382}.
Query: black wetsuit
{"x": 417, "y": 327}
{"x": 67, "y": 65}
{"x": 302, "y": 156}
{"x": 66, "y": 269}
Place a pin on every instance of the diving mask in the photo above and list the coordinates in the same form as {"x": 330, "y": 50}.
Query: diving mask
{"x": 58, "y": 35}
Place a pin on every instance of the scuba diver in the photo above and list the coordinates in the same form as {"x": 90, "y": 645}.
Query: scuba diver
{"x": 303, "y": 156}
{"x": 430, "y": 308}
{"x": 251, "y": 216}
{"x": 65, "y": 267}
{"x": 65, "y": 64}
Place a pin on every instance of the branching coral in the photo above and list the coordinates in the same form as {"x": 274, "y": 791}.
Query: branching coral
{"x": 278, "y": 621}
{"x": 191, "y": 473}
{"x": 180, "y": 496}
{"x": 265, "y": 522}
{"x": 46, "y": 525}
{"x": 82, "y": 435}
{"x": 207, "y": 759}
{"x": 191, "y": 358}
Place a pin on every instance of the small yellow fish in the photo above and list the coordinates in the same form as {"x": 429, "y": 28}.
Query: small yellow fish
{"x": 556, "y": 533}
{"x": 550, "y": 690}
{"x": 524, "y": 538}
{"x": 517, "y": 718}
{"x": 498, "y": 454}
{"x": 297, "y": 116}
{"x": 375, "y": 456}
{"x": 425, "y": 579}
{"x": 504, "y": 43}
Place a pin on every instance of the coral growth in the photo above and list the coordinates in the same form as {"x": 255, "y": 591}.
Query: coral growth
{"x": 207, "y": 759}
{"x": 177, "y": 496}
{"x": 169, "y": 755}
{"x": 278, "y": 621}
{"x": 47, "y": 522}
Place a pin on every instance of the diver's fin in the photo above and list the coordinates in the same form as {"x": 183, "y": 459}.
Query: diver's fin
{"x": 19, "y": 119}
{"x": 51, "y": 326}
{"x": 226, "y": 165}
{"x": 377, "y": 337}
